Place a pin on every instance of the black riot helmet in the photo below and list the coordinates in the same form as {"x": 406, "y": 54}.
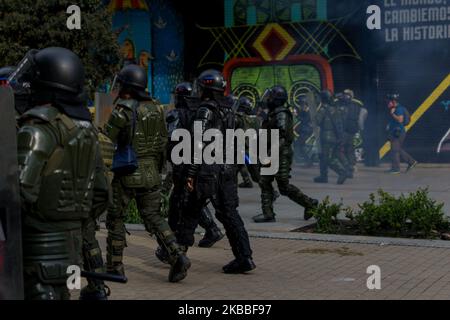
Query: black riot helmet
{"x": 58, "y": 68}
{"x": 182, "y": 91}
{"x": 211, "y": 82}
{"x": 326, "y": 97}
{"x": 276, "y": 96}
{"x": 303, "y": 101}
{"x": 245, "y": 105}
{"x": 133, "y": 75}
{"x": 55, "y": 75}
{"x": 132, "y": 79}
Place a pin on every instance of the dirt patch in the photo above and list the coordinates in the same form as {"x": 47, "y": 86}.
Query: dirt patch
{"x": 342, "y": 252}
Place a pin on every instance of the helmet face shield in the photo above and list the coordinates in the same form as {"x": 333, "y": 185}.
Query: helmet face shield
{"x": 25, "y": 69}
{"x": 115, "y": 86}
{"x": 265, "y": 98}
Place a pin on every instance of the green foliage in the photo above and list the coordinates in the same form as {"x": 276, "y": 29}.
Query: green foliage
{"x": 413, "y": 215}
{"x": 36, "y": 24}
{"x": 132, "y": 215}
{"x": 326, "y": 215}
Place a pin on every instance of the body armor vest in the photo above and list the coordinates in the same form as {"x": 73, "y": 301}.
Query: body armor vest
{"x": 65, "y": 177}
{"x": 281, "y": 118}
{"x": 148, "y": 139}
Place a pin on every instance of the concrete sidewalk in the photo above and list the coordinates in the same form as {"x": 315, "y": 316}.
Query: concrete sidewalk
{"x": 357, "y": 190}
{"x": 288, "y": 269}
{"x": 300, "y": 266}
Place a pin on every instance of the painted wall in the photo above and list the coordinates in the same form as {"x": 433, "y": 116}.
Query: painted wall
{"x": 168, "y": 48}
{"x": 409, "y": 58}
{"x": 151, "y": 35}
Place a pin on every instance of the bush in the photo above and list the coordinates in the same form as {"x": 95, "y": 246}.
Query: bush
{"x": 326, "y": 215}
{"x": 413, "y": 215}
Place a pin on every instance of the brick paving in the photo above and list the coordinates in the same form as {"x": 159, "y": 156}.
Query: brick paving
{"x": 288, "y": 269}
{"x": 302, "y": 269}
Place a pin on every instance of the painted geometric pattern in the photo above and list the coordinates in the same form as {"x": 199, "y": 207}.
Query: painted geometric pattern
{"x": 274, "y": 43}
{"x": 268, "y": 11}
{"x": 310, "y": 37}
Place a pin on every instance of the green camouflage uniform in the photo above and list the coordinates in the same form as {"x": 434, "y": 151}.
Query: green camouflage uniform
{"x": 330, "y": 121}
{"x": 149, "y": 142}
{"x": 248, "y": 172}
{"x": 350, "y": 112}
{"x": 62, "y": 186}
{"x": 92, "y": 254}
{"x": 281, "y": 118}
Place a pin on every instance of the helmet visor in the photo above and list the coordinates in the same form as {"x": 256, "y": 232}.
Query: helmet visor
{"x": 115, "y": 86}
{"x": 25, "y": 68}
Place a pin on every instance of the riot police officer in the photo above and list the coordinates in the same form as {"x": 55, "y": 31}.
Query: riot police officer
{"x": 245, "y": 120}
{"x": 62, "y": 178}
{"x": 181, "y": 118}
{"x": 215, "y": 182}
{"x": 304, "y": 131}
{"x": 280, "y": 118}
{"x": 138, "y": 128}
{"x": 351, "y": 112}
{"x": 330, "y": 121}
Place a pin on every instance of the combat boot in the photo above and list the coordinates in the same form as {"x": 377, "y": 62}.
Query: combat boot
{"x": 237, "y": 266}
{"x": 95, "y": 293}
{"x": 212, "y": 236}
{"x": 179, "y": 268}
{"x": 262, "y": 218}
{"x": 321, "y": 179}
{"x": 309, "y": 210}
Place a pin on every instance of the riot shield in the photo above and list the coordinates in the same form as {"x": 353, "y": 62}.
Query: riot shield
{"x": 11, "y": 282}
{"x": 103, "y": 108}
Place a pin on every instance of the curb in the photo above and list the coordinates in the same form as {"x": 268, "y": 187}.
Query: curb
{"x": 379, "y": 241}
{"x": 314, "y": 237}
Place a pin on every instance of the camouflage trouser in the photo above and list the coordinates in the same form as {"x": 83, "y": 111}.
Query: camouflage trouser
{"x": 347, "y": 155}
{"x": 286, "y": 189}
{"x": 301, "y": 150}
{"x": 250, "y": 172}
{"x": 92, "y": 254}
{"x": 148, "y": 204}
{"x": 330, "y": 159}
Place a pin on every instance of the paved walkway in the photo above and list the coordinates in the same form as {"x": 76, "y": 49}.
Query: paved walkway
{"x": 289, "y": 269}
{"x": 304, "y": 269}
